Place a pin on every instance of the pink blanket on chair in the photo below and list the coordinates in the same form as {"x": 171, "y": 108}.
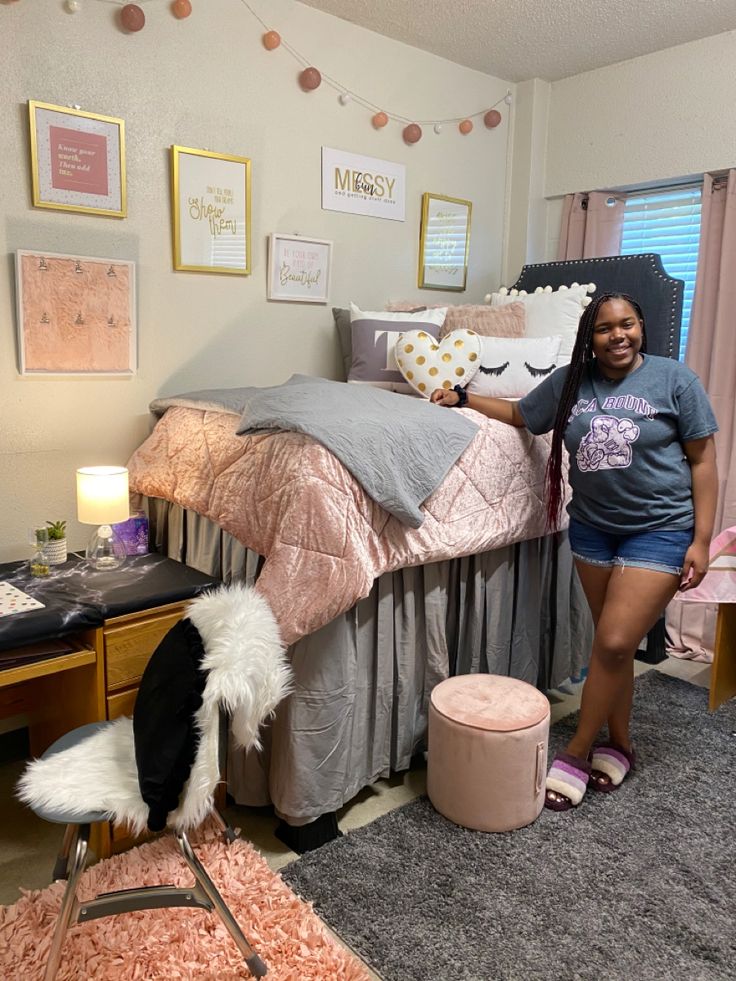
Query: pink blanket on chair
{"x": 286, "y": 497}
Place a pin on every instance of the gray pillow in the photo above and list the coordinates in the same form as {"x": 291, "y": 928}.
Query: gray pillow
{"x": 342, "y": 322}
{"x": 373, "y": 343}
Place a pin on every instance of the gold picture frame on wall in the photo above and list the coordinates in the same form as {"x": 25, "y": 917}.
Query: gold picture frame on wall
{"x": 444, "y": 242}
{"x": 77, "y": 160}
{"x": 211, "y": 211}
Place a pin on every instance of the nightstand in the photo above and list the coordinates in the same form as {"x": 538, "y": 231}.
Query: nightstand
{"x": 81, "y": 657}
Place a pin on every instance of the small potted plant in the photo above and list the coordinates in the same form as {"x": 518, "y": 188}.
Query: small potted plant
{"x": 55, "y": 548}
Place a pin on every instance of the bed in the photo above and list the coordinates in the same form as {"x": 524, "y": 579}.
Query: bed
{"x": 478, "y": 587}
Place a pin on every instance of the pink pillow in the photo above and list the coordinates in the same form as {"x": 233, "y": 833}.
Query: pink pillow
{"x": 506, "y": 321}
{"x": 484, "y": 320}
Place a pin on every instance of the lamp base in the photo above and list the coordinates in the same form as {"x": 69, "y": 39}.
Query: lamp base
{"x": 105, "y": 549}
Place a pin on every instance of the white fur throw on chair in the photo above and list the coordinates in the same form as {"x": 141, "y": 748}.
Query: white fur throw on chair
{"x": 247, "y": 676}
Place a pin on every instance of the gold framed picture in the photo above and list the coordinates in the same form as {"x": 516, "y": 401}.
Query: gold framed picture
{"x": 444, "y": 242}
{"x": 211, "y": 211}
{"x": 77, "y": 160}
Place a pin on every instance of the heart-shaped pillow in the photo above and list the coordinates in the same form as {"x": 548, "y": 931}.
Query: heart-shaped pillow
{"x": 428, "y": 364}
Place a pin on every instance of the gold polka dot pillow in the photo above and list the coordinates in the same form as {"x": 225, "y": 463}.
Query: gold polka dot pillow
{"x": 427, "y": 363}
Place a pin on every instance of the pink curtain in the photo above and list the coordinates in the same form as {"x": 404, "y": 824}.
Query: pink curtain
{"x": 711, "y": 354}
{"x": 591, "y": 225}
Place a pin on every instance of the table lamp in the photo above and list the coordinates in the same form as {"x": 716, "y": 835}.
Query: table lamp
{"x": 102, "y": 500}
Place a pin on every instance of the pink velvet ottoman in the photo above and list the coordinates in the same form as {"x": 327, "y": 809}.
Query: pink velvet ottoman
{"x": 487, "y": 751}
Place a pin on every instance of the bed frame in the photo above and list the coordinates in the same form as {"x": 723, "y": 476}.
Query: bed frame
{"x": 519, "y": 611}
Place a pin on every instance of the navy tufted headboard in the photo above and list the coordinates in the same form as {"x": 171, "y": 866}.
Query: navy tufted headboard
{"x": 641, "y": 276}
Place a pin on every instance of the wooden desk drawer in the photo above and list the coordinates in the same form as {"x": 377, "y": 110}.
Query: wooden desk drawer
{"x": 129, "y": 645}
{"x": 121, "y": 703}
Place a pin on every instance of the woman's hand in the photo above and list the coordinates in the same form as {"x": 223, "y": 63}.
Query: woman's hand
{"x": 694, "y": 567}
{"x": 444, "y": 396}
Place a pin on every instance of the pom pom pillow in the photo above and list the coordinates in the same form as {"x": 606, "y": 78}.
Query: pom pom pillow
{"x": 373, "y": 342}
{"x": 427, "y": 363}
{"x": 511, "y": 367}
{"x": 551, "y": 312}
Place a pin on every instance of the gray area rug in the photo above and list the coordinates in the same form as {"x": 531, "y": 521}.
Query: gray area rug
{"x": 639, "y": 884}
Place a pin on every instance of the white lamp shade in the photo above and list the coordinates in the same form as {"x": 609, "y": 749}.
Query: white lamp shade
{"x": 102, "y": 495}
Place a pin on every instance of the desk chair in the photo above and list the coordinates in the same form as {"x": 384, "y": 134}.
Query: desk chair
{"x": 96, "y": 772}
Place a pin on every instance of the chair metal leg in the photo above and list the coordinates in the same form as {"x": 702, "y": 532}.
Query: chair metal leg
{"x": 69, "y": 905}
{"x": 229, "y": 833}
{"x": 61, "y": 868}
{"x": 253, "y": 962}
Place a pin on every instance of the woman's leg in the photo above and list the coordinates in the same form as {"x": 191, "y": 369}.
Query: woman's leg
{"x": 594, "y": 579}
{"x": 633, "y": 603}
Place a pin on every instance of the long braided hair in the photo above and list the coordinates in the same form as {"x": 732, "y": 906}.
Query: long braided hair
{"x": 582, "y": 356}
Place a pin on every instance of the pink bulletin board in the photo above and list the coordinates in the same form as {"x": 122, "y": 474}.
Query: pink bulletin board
{"x": 76, "y": 314}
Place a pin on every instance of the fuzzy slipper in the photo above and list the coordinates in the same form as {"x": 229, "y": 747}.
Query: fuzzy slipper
{"x": 610, "y": 760}
{"x": 568, "y": 777}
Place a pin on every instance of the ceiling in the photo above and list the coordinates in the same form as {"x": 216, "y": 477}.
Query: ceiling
{"x": 520, "y": 39}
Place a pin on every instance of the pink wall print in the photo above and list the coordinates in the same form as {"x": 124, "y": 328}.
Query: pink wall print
{"x": 75, "y": 314}
{"x": 78, "y": 161}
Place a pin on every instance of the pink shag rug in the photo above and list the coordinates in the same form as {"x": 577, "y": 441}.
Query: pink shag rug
{"x": 177, "y": 943}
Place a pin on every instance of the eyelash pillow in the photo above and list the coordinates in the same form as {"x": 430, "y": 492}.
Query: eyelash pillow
{"x": 551, "y": 311}
{"x": 427, "y": 363}
{"x": 510, "y": 367}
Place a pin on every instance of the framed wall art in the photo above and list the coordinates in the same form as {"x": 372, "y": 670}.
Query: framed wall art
{"x": 299, "y": 268}
{"x": 77, "y": 160}
{"x": 76, "y": 315}
{"x": 444, "y": 242}
{"x": 361, "y": 185}
{"x": 211, "y": 209}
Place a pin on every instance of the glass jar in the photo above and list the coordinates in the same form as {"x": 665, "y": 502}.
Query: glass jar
{"x": 39, "y": 539}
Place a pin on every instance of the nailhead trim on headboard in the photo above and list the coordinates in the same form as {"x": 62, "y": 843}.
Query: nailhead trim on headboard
{"x": 663, "y": 326}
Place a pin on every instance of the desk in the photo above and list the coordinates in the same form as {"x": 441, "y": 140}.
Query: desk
{"x": 723, "y": 670}
{"x": 89, "y": 644}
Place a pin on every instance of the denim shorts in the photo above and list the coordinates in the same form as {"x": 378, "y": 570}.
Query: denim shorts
{"x": 662, "y": 550}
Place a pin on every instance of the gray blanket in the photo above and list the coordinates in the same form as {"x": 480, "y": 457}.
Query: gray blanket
{"x": 399, "y": 449}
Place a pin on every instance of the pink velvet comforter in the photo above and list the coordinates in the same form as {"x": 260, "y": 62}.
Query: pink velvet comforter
{"x": 286, "y": 497}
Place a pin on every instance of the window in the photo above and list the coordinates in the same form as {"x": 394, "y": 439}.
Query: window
{"x": 668, "y": 223}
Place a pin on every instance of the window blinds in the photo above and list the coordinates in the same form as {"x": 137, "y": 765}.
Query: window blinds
{"x": 668, "y": 223}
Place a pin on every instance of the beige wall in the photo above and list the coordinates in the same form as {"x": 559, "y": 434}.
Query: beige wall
{"x": 208, "y": 82}
{"x": 665, "y": 115}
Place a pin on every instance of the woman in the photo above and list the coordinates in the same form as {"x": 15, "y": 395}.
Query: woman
{"x": 639, "y": 433}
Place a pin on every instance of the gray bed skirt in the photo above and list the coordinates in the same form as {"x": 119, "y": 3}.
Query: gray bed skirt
{"x": 363, "y": 681}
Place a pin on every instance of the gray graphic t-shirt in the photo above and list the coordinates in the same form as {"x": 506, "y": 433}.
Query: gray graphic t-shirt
{"x": 628, "y": 470}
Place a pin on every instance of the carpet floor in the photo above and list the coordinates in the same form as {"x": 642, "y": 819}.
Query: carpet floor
{"x": 638, "y": 884}
{"x": 176, "y": 943}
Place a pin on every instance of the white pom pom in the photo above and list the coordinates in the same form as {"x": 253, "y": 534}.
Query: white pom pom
{"x": 538, "y": 289}
{"x": 592, "y": 287}
{"x": 562, "y": 288}
{"x": 547, "y": 289}
{"x": 513, "y": 292}
{"x": 587, "y": 300}
{"x": 574, "y": 286}
{"x": 503, "y": 291}
{"x": 487, "y": 298}
{"x": 523, "y": 293}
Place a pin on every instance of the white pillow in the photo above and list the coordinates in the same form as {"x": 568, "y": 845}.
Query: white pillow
{"x": 436, "y": 315}
{"x": 510, "y": 367}
{"x": 551, "y": 312}
{"x": 427, "y": 363}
